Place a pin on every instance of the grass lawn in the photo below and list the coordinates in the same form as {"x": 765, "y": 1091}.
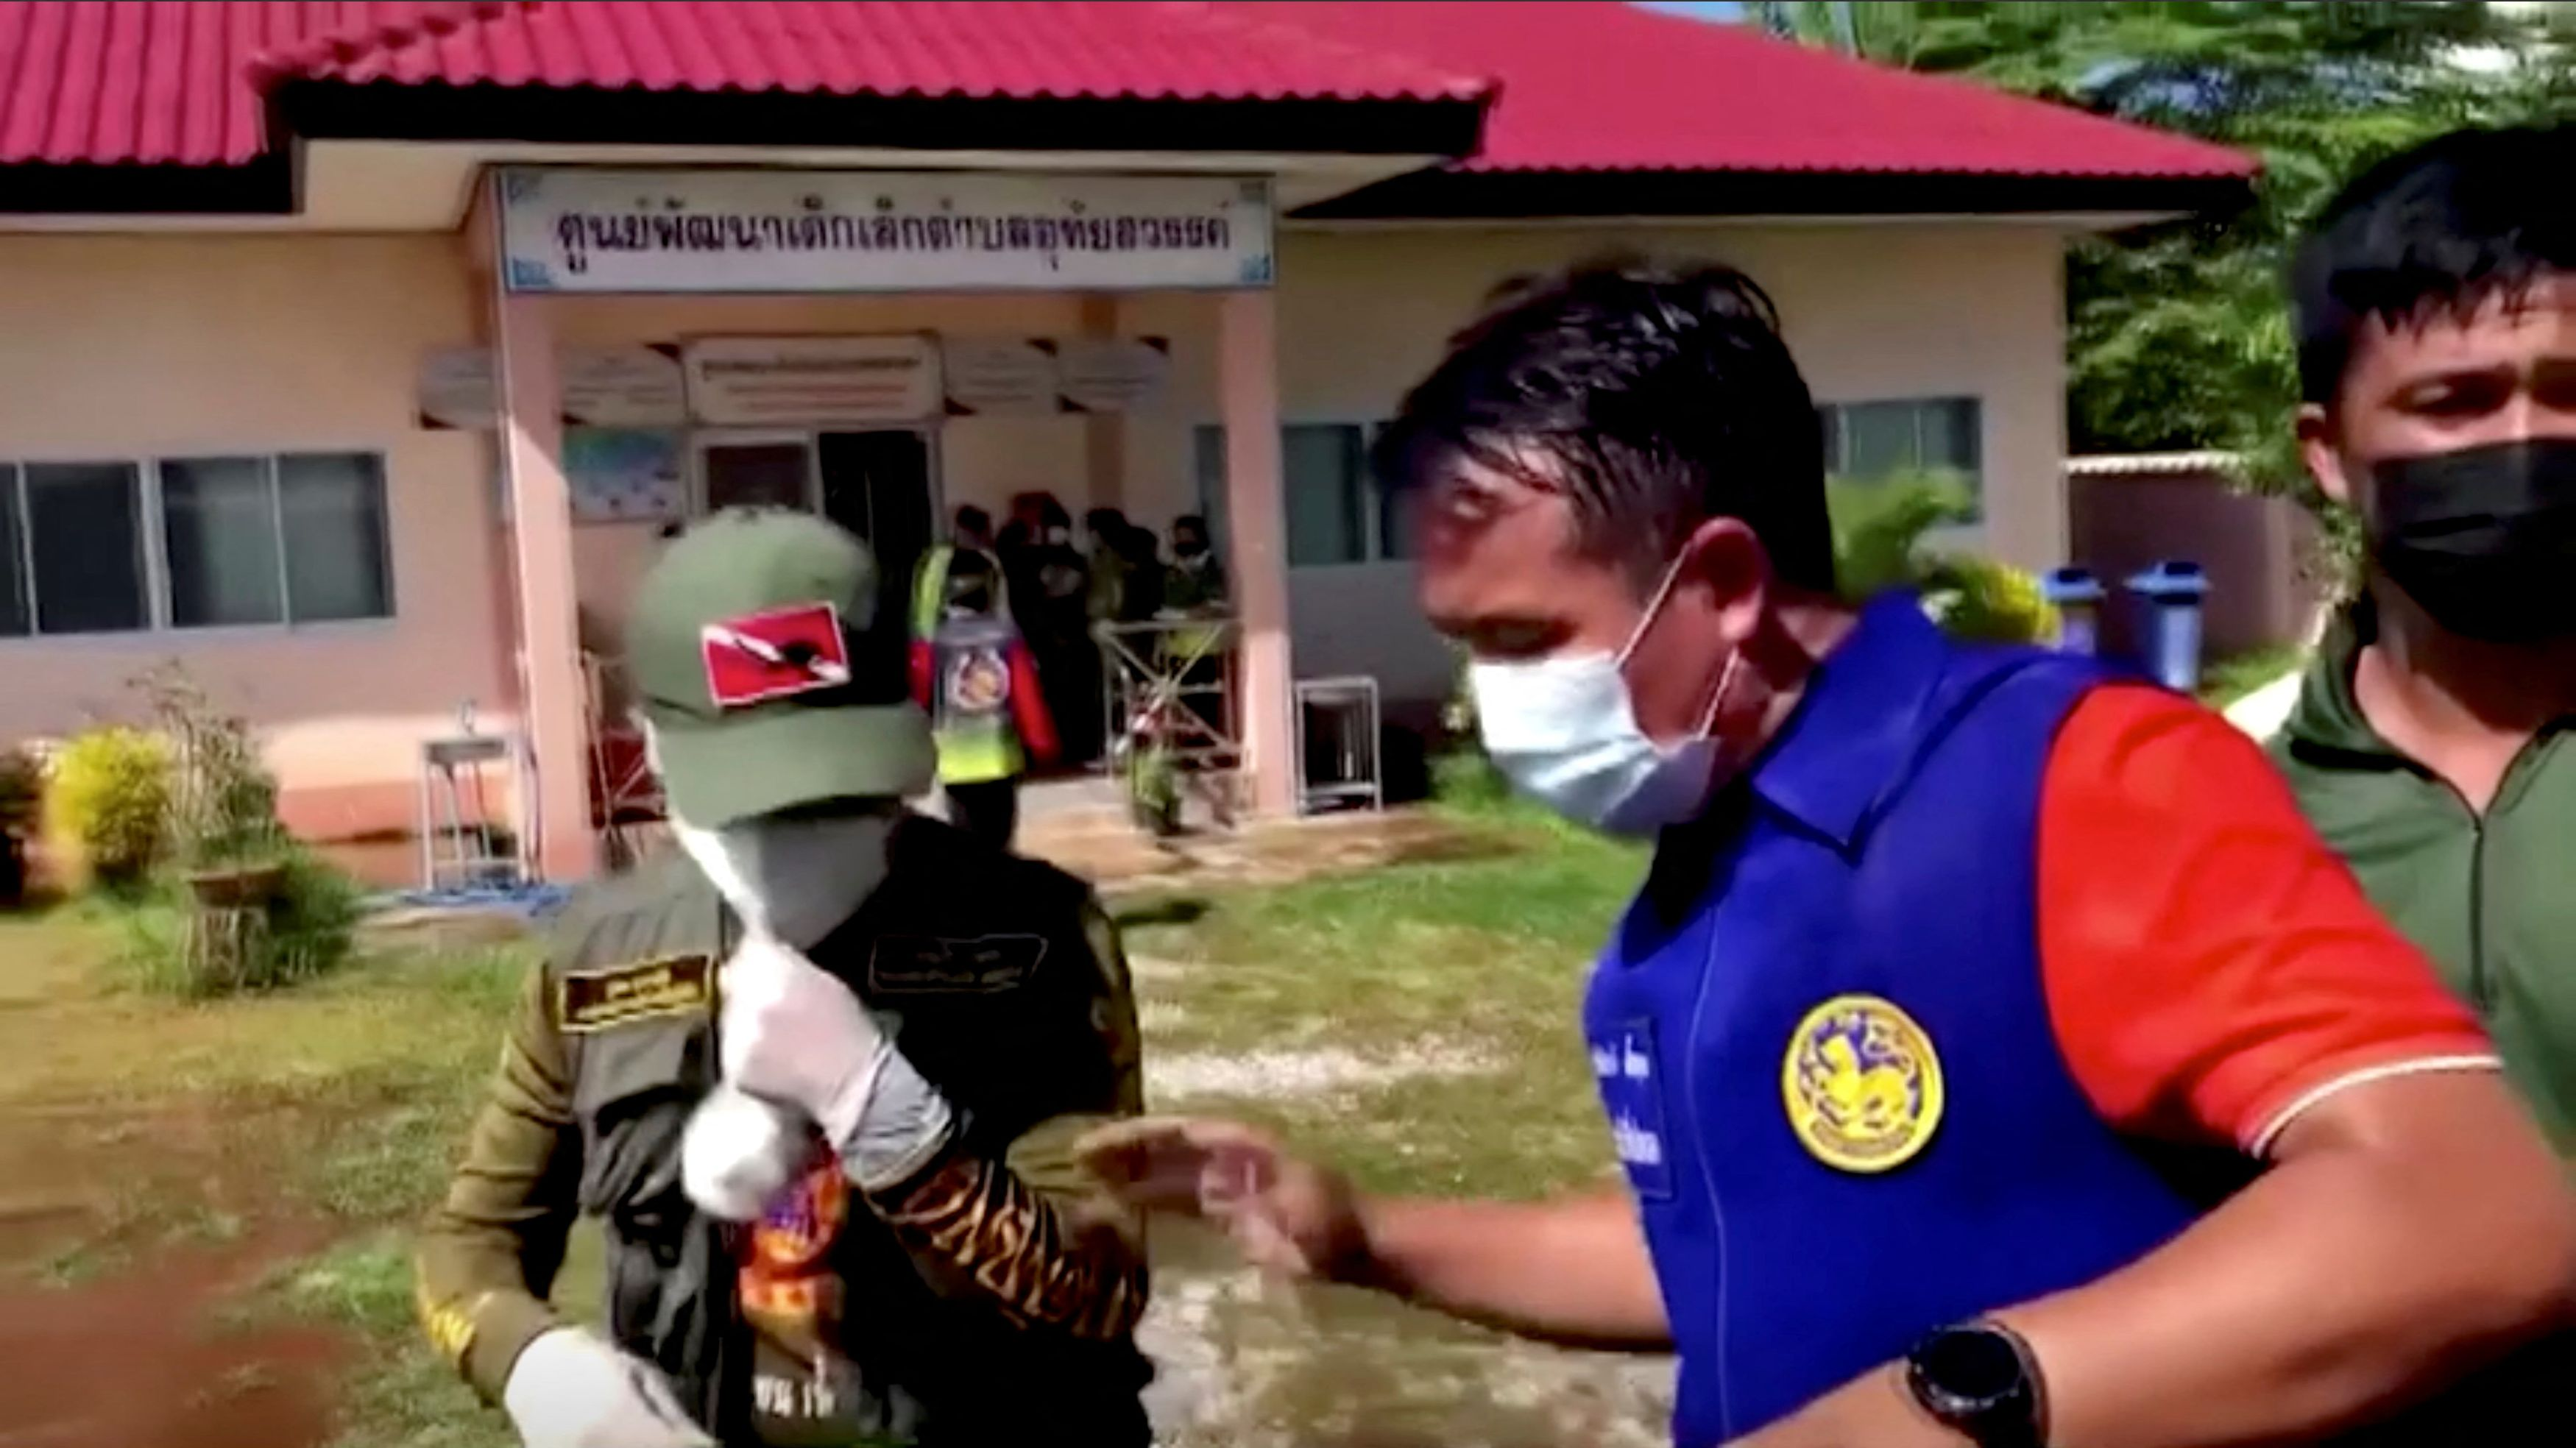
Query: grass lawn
{"x": 338, "y": 1105}
{"x": 1480, "y": 963}
{"x": 2232, "y": 678}
{"x": 329, "y": 1112}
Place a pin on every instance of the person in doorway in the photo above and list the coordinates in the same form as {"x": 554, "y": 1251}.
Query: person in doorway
{"x": 1053, "y": 586}
{"x": 2436, "y": 315}
{"x": 1108, "y": 563}
{"x": 970, "y": 532}
{"x": 1194, "y": 587}
{"x": 1142, "y": 596}
{"x": 980, "y": 683}
{"x": 1994, "y": 1054}
{"x": 1037, "y": 535}
{"x": 1196, "y": 583}
{"x": 815, "y": 1074}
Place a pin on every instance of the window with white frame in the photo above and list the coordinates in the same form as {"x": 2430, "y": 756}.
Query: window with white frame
{"x": 193, "y": 542}
{"x": 1865, "y": 441}
{"x": 1337, "y": 513}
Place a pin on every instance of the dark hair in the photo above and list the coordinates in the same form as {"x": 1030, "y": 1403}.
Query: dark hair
{"x": 1193, "y": 523}
{"x": 1653, "y": 397}
{"x": 969, "y": 565}
{"x": 1107, "y": 522}
{"x": 971, "y": 519}
{"x": 2445, "y": 227}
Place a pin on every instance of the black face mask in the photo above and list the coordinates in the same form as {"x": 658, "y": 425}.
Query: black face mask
{"x": 2483, "y": 538}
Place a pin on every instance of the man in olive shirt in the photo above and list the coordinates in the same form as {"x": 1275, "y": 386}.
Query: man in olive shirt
{"x": 814, "y": 1074}
{"x": 2435, "y": 305}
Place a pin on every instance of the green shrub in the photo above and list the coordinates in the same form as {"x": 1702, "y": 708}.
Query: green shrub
{"x": 223, "y": 801}
{"x": 22, "y": 797}
{"x": 315, "y": 920}
{"x": 105, "y": 806}
{"x": 309, "y": 928}
{"x": 1983, "y": 601}
{"x": 22, "y": 793}
{"x": 1879, "y": 527}
{"x": 219, "y": 829}
{"x": 151, "y": 933}
{"x": 1463, "y": 778}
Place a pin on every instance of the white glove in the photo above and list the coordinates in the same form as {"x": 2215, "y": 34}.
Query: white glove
{"x": 739, "y": 1152}
{"x": 792, "y": 1034}
{"x": 571, "y": 1390}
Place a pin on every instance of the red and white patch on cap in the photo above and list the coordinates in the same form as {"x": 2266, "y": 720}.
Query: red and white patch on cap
{"x": 775, "y": 655}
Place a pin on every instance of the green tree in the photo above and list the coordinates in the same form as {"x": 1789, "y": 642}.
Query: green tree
{"x": 2177, "y": 336}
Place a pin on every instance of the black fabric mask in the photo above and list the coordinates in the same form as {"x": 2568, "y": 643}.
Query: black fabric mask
{"x": 2483, "y": 538}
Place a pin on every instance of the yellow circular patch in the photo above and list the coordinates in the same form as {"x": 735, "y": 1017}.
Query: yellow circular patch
{"x": 1862, "y": 1084}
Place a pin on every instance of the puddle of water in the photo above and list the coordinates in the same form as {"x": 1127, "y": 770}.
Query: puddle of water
{"x": 1251, "y": 1363}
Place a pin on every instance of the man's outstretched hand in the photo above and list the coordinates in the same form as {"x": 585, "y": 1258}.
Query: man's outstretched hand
{"x": 1285, "y": 1214}
{"x": 1572, "y": 1270}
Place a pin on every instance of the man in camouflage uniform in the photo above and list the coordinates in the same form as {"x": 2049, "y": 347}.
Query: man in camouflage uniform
{"x": 815, "y": 1075}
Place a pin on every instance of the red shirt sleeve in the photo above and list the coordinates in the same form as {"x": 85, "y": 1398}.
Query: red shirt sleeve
{"x": 1028, "y": 707}
{"x": 922, "y": 669}
{"x": 2211, "y": 966}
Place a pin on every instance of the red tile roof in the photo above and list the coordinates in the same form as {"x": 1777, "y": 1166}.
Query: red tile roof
{"x": 90, "y": 81}
{"x": 1594, "y": 87}
{"x": 1023, "y": 49}
{"x": 1584, "y": 87}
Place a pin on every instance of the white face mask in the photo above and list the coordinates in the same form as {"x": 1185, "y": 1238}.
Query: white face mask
{"x": 1564, "y": 731}
{"x": 796, "y": 879}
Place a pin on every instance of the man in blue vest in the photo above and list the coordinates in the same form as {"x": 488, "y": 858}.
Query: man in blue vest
{"x": 1994, "y": 1054}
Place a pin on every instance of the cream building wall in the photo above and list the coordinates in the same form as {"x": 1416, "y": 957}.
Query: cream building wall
{"x": 132, "y": 347}
{"x": 981, "y": 460}
{"x": 115, "y": 348}
{"x": 1873, "y": 311}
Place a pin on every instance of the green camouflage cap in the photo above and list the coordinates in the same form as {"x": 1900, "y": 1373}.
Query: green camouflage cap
{"x": 754, "y": 648}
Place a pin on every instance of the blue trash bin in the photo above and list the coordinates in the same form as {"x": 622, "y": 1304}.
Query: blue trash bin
{"x": 2077, "y": 596}
{"x": 2169, "y": 601}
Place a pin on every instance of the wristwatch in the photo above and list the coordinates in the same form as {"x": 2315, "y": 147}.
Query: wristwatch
{"x": 1980, "y": 1381}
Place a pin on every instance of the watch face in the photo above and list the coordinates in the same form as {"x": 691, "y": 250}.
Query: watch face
{"x": 1971, "y": 1366}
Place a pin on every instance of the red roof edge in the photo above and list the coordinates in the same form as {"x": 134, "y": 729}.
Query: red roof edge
{"x": 1457, "y": 86}
{"x": 348, "y": 47}
{"x": 336, "y": 56}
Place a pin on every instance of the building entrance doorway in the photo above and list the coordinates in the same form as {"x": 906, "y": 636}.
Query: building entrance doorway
{"x": 881, "y": 485}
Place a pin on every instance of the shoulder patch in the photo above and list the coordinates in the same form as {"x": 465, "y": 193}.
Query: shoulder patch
{"x": 936, "y": 965}
{"x": 595, "y": 1000}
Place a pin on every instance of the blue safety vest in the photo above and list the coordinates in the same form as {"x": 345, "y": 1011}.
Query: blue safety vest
{"x": 1824, "y": 1046}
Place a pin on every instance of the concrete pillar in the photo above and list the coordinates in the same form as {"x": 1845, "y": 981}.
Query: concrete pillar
{"x": 554, "y": 820}
{"x": 1257, "y": 542}
{"x": 1104, "y": 434}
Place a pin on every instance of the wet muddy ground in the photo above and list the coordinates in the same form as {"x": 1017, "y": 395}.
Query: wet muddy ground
{"x": 1256, "y": 1364}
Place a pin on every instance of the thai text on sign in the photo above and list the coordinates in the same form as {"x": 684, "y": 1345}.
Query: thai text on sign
{"x": 599, "y": 230}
